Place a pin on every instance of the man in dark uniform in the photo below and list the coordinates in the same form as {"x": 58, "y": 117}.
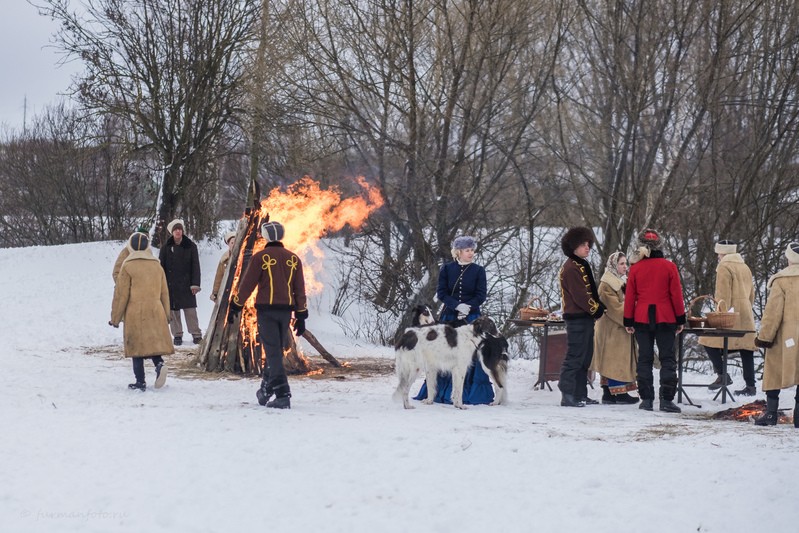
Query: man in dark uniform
{"x": 277, "y": 272}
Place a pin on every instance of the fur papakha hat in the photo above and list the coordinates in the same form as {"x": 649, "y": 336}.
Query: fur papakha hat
{"x": 792, "y": 253}
{"x": 650, "y": 238}
{"x": 726, "y": 247}
{"x": 464, "y": 242}
{"x": 139, "y": 241}
{"x": 272, "y": 231}
{"x": 229, "y": 235}
{"x": 175, "y": 224}
{"x": 576, "y": 237}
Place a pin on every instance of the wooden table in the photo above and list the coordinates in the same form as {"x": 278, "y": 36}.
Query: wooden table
{"x": 545, "y": 325}
{"x": 707, "y": 332}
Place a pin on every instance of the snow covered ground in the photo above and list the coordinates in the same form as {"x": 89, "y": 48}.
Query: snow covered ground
{"x": 80, "y": 452}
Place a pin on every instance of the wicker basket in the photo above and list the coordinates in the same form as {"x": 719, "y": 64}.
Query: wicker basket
{"x": 533, "y": 312}
{"x": 721, "y": 319}
{"x": 697, "y": 321}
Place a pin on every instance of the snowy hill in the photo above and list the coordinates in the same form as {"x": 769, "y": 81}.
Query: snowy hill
{"x": 80, "y": 452}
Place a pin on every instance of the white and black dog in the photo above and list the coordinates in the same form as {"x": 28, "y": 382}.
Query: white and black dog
{"x": 443, "y": 348}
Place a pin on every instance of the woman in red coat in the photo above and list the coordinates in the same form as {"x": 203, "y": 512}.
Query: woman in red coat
{"x": 655, "y": 312}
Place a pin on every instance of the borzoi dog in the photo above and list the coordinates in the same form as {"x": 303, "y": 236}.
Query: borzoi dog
{"x": 422, "y": 316}
{"x": 442, "y": 348}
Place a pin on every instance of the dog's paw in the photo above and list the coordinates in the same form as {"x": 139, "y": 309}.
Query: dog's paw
{"x": 409, "y": 406}
{"x": 460, "y": 406}
{"x": 427, "y": 401}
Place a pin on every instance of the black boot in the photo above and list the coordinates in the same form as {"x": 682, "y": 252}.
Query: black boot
{"x": 719, "y": 383}
{"x": 646, "y": 405}
{"x": 139, "y": 385}
{"x": 607, "y": 397}
{"x": 796, "y": 414}
{"x": 747, "y": 391}
{"x": 668, "y": 406}
{"x": 625, "y": 398}
{"x": 265, "y": 391}
{"x": 567, "y": 400}
{"x": 770, "y": 417}
{"x": 282, "y": 400}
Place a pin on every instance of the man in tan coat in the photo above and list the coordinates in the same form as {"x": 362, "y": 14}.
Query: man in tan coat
{"x": 734, "y": 285}
{"x": 779, "y": 335}
{"x": 141, "y": 301}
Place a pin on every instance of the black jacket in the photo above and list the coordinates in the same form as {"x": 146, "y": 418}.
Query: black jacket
{"x": 182, "y": 267}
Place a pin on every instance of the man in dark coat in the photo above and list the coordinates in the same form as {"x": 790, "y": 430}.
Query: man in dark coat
{"x": 654, "y": 311}
{"x": 277, "y": 273}
{"x": 181, "y": 263}
{"x": 581, "y": 308}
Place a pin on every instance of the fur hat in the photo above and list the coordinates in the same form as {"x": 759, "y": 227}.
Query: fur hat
{"x": 792, "y": 253}
{"x": 229, "y": 235}
{"x": 464, "y": 242}
{"x": 576, "y": 237}
{"x": 139, "y": 241}
{"x": 650, "y": 238}
{"x": 175, "y": 224}
{"x": 726, "y": 247}
{"x": 272, "y": 231}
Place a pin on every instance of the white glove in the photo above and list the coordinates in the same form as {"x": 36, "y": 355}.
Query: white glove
{"x": 463, "y": 309}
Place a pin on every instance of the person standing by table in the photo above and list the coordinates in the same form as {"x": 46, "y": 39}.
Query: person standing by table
{"x": 779, "y": 336}
{"x": 654, "y": 312}
{"x": 614, "y": 358}
{"x": 581, "y": 308}
{"x": 734, "y": 285}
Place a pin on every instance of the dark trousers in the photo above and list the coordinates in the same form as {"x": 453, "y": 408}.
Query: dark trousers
{"x": 747, "y": 362}
{"x": 775, "y": 394}
{"x": 273, "y": 328}
{"x": 664, "y": 336}
{"x": 138, "y": 366}
{"x": 579, "y": 352}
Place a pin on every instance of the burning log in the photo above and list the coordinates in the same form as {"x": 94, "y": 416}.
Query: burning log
{"x": 748, "y": 412}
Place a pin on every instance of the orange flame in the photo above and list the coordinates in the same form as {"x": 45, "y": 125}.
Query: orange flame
{"x": 309, "y": 212}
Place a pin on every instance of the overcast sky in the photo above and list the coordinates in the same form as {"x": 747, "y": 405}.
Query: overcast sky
{"x": 28, "y": 66}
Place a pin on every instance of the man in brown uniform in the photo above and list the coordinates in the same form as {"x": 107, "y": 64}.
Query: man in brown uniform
{"x": 277, "y": 272}
{"x": 581, "y": 308}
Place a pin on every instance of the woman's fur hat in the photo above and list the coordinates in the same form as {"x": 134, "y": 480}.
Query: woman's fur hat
{"x": 139, "y": 241}
{"x": 792, "y": 253}
{"x": 464, "y": 242}
{"x": 574, "y": 238}
{"x": 726, "y": 247}
{"x": 650, "y": 238}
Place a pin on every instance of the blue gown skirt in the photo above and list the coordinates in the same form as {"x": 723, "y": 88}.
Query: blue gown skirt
{"x": 477, "y": 387}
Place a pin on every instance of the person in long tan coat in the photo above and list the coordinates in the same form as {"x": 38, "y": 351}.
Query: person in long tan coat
{"x": 615, "y": 358}
{"x": 779, "y": 335}
{"x": 141, "y": 301}
{"x": 734, "y": 285}
{"x": 230, "y": 240}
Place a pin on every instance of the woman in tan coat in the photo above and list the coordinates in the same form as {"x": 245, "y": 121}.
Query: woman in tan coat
{"x": 614, "y": 358}
{"x": 779, "y": 335}
{"x": 735, "y": 286}
{"x": 141, "y": 301}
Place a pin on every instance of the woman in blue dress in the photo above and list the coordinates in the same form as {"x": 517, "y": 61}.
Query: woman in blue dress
{"x": 462, "y": 289}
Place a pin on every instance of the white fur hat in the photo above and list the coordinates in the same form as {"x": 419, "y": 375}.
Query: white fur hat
{"x": 175, "y": 223}
{"x": 792, "y": 253}
{"x": 726, "y": 247}
{"x": 229, "y": 235}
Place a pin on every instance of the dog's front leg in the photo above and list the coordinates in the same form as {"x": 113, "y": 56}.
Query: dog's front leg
{"x": 458, "y": 377}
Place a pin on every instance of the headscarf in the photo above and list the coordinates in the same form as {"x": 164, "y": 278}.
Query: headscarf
{"x": 612, "y": 265}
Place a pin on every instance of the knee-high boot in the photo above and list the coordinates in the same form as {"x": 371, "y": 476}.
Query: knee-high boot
{"x": 770, "y": 417}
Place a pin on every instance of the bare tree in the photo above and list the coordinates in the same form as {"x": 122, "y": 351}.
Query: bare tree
{"x": 172, "y": 70}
